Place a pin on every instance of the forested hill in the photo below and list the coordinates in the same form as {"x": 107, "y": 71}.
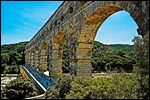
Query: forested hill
{"x": 13, "y": 53}
{"x": 122, "y": 47}
{"x": 17, "y": 47}
{"x": 126, "y": 48}
{"x": 102, "y": 55}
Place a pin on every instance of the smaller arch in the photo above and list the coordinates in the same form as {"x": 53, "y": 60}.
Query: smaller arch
{"x": 47, "y": 30}
{"x": 43, "y": 45}
{"x": 70, "y": 10}
{"x": 55, "y": 23}
{"x": 82, "y": 2}
{"x": 62, "y": 18}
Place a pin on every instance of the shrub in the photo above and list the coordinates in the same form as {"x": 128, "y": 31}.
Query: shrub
{"x": 18, "y": 89}
{"x": 59, "y": 91}
{"x": 120, "y": 86}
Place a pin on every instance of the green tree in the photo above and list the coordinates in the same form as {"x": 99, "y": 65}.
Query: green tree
{"x": 112, "y": 57}
{"x": 141, "y": 47}
{"x": 120, "y": 86}
{"x": 65, "y": 58}
{"x": 18, "y": 89}
{"x": 13, "y": 53}
{"x": 4, "y": 58}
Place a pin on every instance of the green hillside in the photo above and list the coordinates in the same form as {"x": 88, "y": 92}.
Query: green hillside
{"x": 122, "y": 47}
{"x": 12, "y": 55}
{"x": 104, "y": 57}
{"x": 18, "y": 47}
{"x": 116, "y": 57}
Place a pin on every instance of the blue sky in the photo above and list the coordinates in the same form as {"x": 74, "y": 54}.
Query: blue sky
{"x": 21, "y": 20}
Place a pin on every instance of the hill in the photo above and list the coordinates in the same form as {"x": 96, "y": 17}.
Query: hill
{"x": 13, "y": 53}
{"x": 102, "y": 55}
{"x": 17, "y": 47}
{"x": 122, "y": 47}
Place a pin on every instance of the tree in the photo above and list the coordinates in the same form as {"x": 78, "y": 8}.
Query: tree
{"x": 116, "y": 57}
{"x": 4, "y": 58}
{"x": 65, "y": 57}
{"x": 141, "y": 47}
{"x": 18, "y": 89}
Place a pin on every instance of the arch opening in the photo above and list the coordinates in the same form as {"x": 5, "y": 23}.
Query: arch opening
{"x": 113, "y": 46}
{"x": 87, "y": 36}
{"x": 65, "y": 58}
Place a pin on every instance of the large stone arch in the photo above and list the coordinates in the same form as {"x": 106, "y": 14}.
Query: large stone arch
{"x": 55, "y": 54}
{"x": 92, "y": 22}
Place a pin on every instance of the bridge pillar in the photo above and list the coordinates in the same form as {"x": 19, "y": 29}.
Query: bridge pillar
{"x": 84, "y": 54}
{"x": 43, "y": 57}
{"x": 26, "y": 57}
{"x": 43, "y": 60}
{"x": 29, "y": 58}
{"x": 36, "y": 59}
{"x": 32, "y": 58}
{"x": 55, "y": 54}
{"x": 55, "y": 63}
{"x": 81, "y": 62}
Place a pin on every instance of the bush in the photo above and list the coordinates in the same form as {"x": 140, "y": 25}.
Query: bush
{"x": 59, "y": 91}
{"x": 14, "y": 69}
{"x": 120, "y": 86}
{"x": 52, "y": 93}
{"x": 18, "y": 89}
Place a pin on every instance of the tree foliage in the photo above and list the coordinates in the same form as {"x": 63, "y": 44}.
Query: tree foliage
{"x": 141, "y": 48}
{"x": 11, "y": 56}
{"x": 13, "y": 69}
{"x": 59, "y": 91}
{"x": 18, "y": 89}
{"x": 112, "y": 57}
{"x": 121, "y": 86}
{"x": 105, "y": 57}
{"x": 65, "y": 57}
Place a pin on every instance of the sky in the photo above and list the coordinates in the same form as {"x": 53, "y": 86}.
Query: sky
{"x": 21, "y": 20}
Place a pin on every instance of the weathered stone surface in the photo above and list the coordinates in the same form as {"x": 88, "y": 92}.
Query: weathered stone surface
{"x": 57, "y": 73}
{"x": 78, "y": 22}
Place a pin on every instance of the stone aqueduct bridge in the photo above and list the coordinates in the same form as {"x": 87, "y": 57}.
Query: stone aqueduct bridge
{"x": 77, "y": 22}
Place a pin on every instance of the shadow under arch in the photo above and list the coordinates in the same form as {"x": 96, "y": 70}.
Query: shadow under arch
{"x": 88, "y": 33}
{"x": 55, "y": 54}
